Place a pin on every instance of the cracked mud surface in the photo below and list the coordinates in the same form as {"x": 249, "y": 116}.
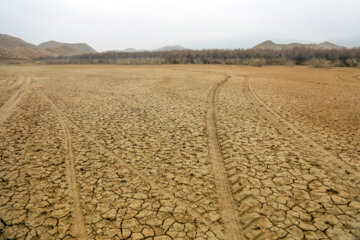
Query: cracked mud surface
{"x": 180, "y": 152}
{"x": 12, "y": 92}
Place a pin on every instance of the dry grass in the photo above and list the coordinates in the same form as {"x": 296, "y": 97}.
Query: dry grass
{"x": 180, "y": 152}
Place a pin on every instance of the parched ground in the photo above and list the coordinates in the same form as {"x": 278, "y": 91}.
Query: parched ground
{"x": 179, "y": 152}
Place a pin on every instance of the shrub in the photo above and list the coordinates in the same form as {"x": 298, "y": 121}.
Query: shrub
{"x": 319, "y": 63}
{"x": 257, "y": 62}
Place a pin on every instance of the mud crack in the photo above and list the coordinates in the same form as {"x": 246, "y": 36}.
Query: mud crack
{"x": 79, "y": 222}
{"x": 180, "y": 202}
{"x": 8, "y": 107}
{"x": 225, "y": 198}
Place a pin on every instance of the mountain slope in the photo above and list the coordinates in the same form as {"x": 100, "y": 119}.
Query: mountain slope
{"x": 35, "y": 53}
{"x": 329, "y": 45}
{"x": 129, "y": 50}
{"x": 7, "y": 41}
{"x": 270, "y": 45}
{"x": 6, "y": 54}
{"x": 31, "y": 53}
{"x": 81, "y": 47}
{"x": 170, "y": 48}
{"x": 16, "y": 48}
{"x": 63, "y": 51}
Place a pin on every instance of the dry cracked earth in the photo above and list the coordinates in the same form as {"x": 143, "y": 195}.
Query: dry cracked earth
{"x": 179, "y": 152}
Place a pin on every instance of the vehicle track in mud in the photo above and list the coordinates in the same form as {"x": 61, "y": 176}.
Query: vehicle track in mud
{"x": 251, "y": 140}
{"x": 8, "y": 107}
{"x": 115, "y": 144}
{"x": 342, "y": 169}
{"x": 225, "y": 198}
{"x": 141, "y": 174}
{"x": 78, "y": 217}
{"x": 235, "y": 228}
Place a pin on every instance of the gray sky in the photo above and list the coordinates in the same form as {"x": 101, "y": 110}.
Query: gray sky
{"x": 149, "y": 24}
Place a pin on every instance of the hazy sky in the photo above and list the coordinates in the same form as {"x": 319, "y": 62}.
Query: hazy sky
{"x": 149, "y": 24}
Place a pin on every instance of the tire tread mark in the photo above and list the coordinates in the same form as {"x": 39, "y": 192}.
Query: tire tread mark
{"x": 8, "y": 107}
{"x": 335, "y": 161}
{"x": 79, "y": 222}
{"x": 142, "y": 174}
{"x": 226, "y": 202}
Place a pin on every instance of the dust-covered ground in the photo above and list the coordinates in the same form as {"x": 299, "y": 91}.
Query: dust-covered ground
{"x": 179, "y": 152}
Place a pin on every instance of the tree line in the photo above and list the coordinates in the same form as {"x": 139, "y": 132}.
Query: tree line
{"x": 256, "y": 57}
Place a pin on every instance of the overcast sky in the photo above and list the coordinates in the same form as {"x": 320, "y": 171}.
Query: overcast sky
{"x": 149, "y": 24}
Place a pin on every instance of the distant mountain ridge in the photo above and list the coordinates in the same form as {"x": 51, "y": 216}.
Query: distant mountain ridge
{"x": 82, "y": 47}
{"x": 165, "y": 48}
{"x": 129, "y": 50}
{"x": 169, "y": 48}
{"x": 7, "y": 41}
{"x": 16, "y": 48}
{"x": 273, "y": 46}
{"x": 34, "y": 53}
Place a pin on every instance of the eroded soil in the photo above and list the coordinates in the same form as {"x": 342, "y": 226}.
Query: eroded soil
{"x": 179, "y": 152}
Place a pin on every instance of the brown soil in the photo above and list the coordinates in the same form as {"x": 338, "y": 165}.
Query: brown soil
{"x": 179, "y": 152}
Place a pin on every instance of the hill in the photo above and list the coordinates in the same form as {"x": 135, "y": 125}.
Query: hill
{"x": 162, "y": 49}
{"x": 16, "y": 48}
{"x": 129, "y": 50}
{"x": 169, "y": 48}
{"x": 273, "y": 46}
{"x": 81, "y": 47}
{"x": 35, "y": 53}
{"x": 7, "y": 41}
{"x": 64, "y": 51}
{"x": 8, "y": 56}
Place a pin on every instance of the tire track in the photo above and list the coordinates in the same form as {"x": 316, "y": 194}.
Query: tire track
{"x": 225, "y": 199}
{"x": 344, "y": 79}
{"x": 328, "y": 157}
{"x": 140, "y": 173}
{"x": 8, "y": 107}
{"x": 79, "y": 222}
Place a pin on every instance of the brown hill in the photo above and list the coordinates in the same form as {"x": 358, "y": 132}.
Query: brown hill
{"x": 169, "y": 48}
{"x": 16, "y": 48}
{"x": 81, "y": 47}
{"x": 7, "y": 41}
{"x": 35, "y": 53}
{"x": 64, "y": 51}
{"x": 7, "y": 54}
{"x": 273, "y": 46}
{"x": 28, "y": 53}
